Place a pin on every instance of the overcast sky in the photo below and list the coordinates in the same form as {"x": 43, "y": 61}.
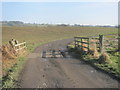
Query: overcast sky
{"x": 61, "y": 12}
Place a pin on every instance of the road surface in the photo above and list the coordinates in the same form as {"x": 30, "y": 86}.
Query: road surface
{"x": 61, "y": 72}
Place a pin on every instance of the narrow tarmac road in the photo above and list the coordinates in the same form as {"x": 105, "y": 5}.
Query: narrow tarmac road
{"x": 61, "y": 72}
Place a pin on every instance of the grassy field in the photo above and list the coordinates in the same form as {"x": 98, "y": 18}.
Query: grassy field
{"x": 34, "y": 35}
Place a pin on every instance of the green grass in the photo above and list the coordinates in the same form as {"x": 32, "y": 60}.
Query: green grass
{"x": 0, "y": 82}
{"x": 112, "y": 68}
{"x": 10, "y": 79}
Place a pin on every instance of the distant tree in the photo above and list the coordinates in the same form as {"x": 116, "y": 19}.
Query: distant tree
{"x": 62, "y": 25}
{"x": 13, "y": 23}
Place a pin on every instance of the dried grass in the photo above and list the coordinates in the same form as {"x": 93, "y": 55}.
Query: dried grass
{"x": 93, "y": 49}
{"x": 8, "y": 52}
{"x": 104, "y": 58}
{"x": 9, "y": 56}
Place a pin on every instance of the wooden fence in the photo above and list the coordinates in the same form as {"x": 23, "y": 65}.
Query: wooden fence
{"x": 80, "y": 41}
{"x": 102, "y": 42}
{"x": 17, "y": 46}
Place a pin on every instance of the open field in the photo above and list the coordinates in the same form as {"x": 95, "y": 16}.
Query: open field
{"x": 43, "y": 34}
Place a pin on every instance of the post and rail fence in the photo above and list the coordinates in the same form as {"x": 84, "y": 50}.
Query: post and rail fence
{"x": 102, "y": 42}
{"x": 17, "y": 46}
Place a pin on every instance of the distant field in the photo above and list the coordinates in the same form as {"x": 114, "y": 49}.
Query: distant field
{"x": 44, "y": 34}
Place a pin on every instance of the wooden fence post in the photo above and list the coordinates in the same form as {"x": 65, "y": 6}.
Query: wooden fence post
{"x": 101, "y": 38}
{"x": 81, "y": 44}
{"x": 16, "y": 41}
{"x": 119, "y": 43}
{"x": 11, "y": 43}
{"x": 88, "y": 45}
{"x": 75, "y": 41}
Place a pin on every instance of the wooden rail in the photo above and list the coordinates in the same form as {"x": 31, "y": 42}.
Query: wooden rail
{"x": 17, "y": 46}
{"x": 80, "y": 41}
{"x": 20, "y": 46}
{"x": 100, "y": 41}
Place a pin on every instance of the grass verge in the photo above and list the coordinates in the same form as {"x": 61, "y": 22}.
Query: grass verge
{"x": 112, "y": 69}
{"x": 10, "y": 79}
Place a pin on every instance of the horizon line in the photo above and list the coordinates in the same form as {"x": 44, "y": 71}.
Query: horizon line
{"x": 59, "y": 23}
